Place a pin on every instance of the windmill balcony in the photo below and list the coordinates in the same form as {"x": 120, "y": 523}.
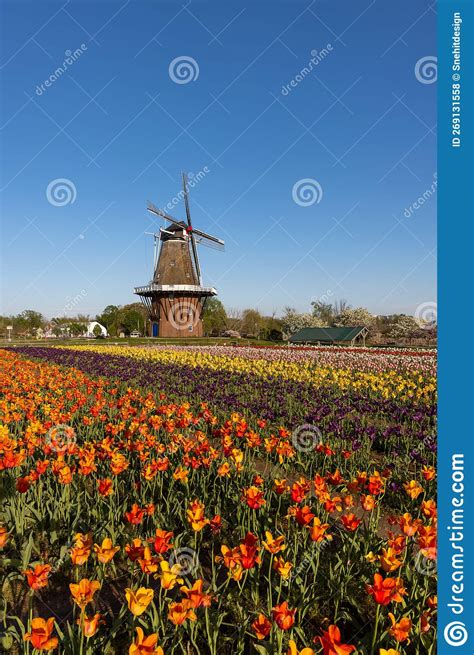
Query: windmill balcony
{"x": 168, "y": 289}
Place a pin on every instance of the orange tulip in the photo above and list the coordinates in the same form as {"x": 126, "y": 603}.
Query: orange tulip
{"x": 293, "y": 650}
{"x": 135, "y": 550}
{"x": 90, "y": 625}
{"x": 179, "y": 612}
{"x": 409, "y": 525}
{"x": 38, "y": 577}
{"x": 413, "y": 489}
{"x": 303, "y": 515}
{"x": 317, "y": 531}
{"x": 40, "y": 635}
{"x": 280, "y": 486}
{"x": 253, "y": 496}
{"x": 428, "y": 472}
{"x": 148, "y": 564}
{"x": 428, "y": 507}
{"x": 196, "y": 516}
{"x": 367, "y": 502}
{"x": 83, "y": 593}
{"x": 386, "y": 590}
{"x": 282, "y": 567}
{"x": 106, "y": 551}
{"x": 145, "y": 645}
{"x": 82, "y": 548}
{"x": 388, "y": 560}
{"x": 139, "y": 600}
{"x": 105, "y": 487}
{"x": 135, "y": 515}
{"x": 162, "y": 541}
{"x": 169, "y": 575}
{"x": 273, "y": 545}
{"x": 331, "y": 642}
{"x": 261, "y": 626}
{"x": 196, "y": 596}
{"x": 283, "y": 616}
{"x": 400, "y": 630}
{"x": 350, "y": 522}
{"x": 4, "y": 536}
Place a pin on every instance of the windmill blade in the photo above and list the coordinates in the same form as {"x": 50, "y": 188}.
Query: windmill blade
{"x": 208, "y": 239}
{"x": 186, "y": 199}
{"x": 159, "y": 212}
{"x": 191, "y": 231}
{"x": 196, "y": 259}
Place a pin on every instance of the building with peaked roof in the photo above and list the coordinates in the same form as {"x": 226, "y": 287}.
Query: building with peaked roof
{"x": 330, "y": 335}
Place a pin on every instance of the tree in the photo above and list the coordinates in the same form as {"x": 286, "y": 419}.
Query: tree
{"x": 109, "y": 318}
{"x": 251, "y": 322}
{"x": 405, "y": 327}
{"x": 355, "y": 318}
{"x": 327, "y": 312}
{"x": 292, "y": 321}
{"x": 234, "y": 319}
{"x": 214, "y": 317}
{"x": 77, "y": 328}
{"x": 324, "y": 312}
{"x": 29, "y": 320}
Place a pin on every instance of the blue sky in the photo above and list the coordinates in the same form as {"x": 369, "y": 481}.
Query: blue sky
{"x": 119, "y": 129}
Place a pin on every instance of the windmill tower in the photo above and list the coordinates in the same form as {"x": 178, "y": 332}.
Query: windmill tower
{"x": 175, "y": 298}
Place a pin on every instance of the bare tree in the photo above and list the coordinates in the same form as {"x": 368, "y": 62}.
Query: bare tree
{"x": 234, "y": 318}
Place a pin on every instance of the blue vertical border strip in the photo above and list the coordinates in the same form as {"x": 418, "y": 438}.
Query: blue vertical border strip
{"x": 456, "y": 326}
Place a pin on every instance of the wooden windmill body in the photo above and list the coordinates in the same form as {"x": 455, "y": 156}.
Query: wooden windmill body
{"x": 175, "y": 298}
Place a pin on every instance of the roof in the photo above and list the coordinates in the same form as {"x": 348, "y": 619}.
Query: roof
{"x": 326, "y": 334}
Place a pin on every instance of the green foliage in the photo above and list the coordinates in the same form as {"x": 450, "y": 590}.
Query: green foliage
{"x": 214, "y": 318}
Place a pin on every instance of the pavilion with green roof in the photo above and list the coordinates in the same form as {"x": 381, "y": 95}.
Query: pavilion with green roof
{"x": 330, "y": 336}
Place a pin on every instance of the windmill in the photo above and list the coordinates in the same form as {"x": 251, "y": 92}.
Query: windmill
{"x": 175, "y": 298}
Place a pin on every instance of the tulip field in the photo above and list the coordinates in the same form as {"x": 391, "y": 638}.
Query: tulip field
{"x": 205, "y": 500}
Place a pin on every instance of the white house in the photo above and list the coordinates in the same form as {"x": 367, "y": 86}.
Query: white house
{"x": 90, "y": 330}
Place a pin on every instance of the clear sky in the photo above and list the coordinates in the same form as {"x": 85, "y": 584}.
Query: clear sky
{"x": 118, "y": 124}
